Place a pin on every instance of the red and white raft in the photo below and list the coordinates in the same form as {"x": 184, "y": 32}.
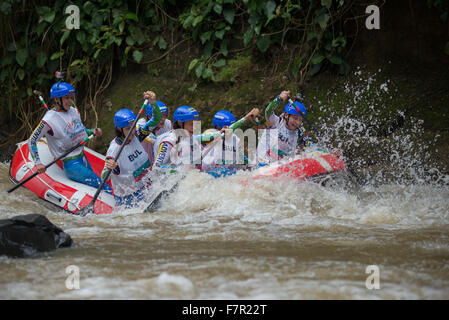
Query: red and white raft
{"x": 53, "y": 185}
{"x": 308, "y": 164}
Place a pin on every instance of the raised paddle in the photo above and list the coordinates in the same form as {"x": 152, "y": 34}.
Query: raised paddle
{"x": 39, "y": 95}
{"x": 51, "y": 163}
{"x": 90, "y": 208}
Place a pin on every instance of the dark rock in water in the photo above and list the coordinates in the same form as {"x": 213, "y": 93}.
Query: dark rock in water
{"x": 26, "y": 235}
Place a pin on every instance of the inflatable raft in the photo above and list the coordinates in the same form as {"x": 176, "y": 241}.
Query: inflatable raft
{"x": 53, "y": 185}
{"x": 311, "y": 163}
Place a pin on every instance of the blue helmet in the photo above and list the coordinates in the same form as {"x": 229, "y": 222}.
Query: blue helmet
{"x": 223, "y": 118}
{"x": 162, "y": 107}
{"x": 185, "y": 113}
{"x": 61, "y": 89}
{"x": 292, "y": 109}
{"x": 124, "y": 118}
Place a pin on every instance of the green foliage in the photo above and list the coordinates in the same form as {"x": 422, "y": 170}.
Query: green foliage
{"x": 113, "y": 33}
{"x": 266, "y": 25}
{"x": 36, "y": 42}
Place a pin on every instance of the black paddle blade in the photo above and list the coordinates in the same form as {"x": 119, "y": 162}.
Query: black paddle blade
{"x": 89, "y": 209}
{"x": 156, "y": 202}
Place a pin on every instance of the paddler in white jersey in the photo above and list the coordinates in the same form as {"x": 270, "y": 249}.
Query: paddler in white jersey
{"x": 281, "y": 136}
{"x": 130, "y": 171}
{"x": 225, "y": 156}
{"x": 163, "y": 126}
{"x": 63, "y": 128}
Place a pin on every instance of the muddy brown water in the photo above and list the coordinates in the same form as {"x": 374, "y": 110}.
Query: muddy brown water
{"x": 221, "y": 239}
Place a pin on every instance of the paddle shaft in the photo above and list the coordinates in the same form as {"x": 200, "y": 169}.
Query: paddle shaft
{"x": 87, "y": 208}
{"x": 51, "y": 163}
{"x": 39, "y": 95}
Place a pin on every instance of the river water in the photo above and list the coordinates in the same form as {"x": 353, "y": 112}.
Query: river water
{"x": 266, "y": 239}
{"x": 219, "y": 239}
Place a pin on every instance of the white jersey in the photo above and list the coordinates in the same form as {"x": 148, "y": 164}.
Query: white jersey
{"x": 169, "y": 149}
{"x": 223, "y": 152}
{"x": 133, "y": 165}
{"x": 63, "y": 130}
{"x": 276, "y": 141}
{"x": 150, "y": 140}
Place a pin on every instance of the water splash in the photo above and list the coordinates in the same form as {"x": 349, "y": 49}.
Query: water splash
{"x": 368, "y": 121}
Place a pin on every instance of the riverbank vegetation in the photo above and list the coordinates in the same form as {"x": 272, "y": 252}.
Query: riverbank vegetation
{"x": 233, "y": 54}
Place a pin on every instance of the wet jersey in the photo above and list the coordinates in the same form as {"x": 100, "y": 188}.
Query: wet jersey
{"x": 63, "y": 131}
{"x": 276, "y": 140}
{"x": 224, "y": 152}
{"x": 148, "y": 143}
{"x": 133, "y": 165}
{"x": 170, "y": 149}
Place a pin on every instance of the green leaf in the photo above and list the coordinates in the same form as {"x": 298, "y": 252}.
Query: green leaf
{"x": 130, "y": 41}
{"x": 41, "y": 59}
{"x": 21, "y": 56}
{"x": 21, "y": 74}
{"x": 218, "y": 8}
{"x": 258, "y": 28}
{"x": 220, "y": 63}
{"x": 121, "y": 27}
{"x": 326, "y": 3}
{"x": 188, "y": 21}
{"x": 162, "y": 44}
{"x": 263, "y": 43}
{"x": 224, "y": 48}
{"x": 40, "y": 28}
{"x": 199, "y": 69}
{"x": 229, "y": 14}
{"x": 248, "y": 36}
{"x": 131, "y": 16}
{"x": 192, "y": 64}
{"x": 5, "y": 7}
{"x": 118, "y": 41}
{"x": 205, "y": 36}
{"x": 220, "y": 34}
{"x": 96, "y": 54}
{"x": 197, "y": 20}
{"x": 77, "y": 62}
{"x": 207, "y": 73}
{"x": 208, "y": 49}
{"x": 137, "y": 55}
{"x": 317, "y": 59}
{"x": 64, "y": 37}
{"x": 81, "y": 36}
{"x": 270, "y": 6}
{"x": 137, "y": 35}
{"x": 49, "y": 16}
{"x": 322, "y": 20}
